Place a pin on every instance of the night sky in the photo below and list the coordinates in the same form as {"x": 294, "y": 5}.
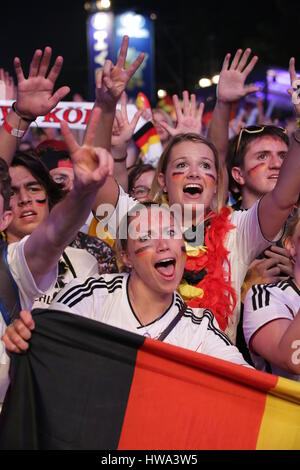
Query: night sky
{"x": 191, "y": 39}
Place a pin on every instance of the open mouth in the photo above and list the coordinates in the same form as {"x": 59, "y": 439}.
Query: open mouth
{"x": 193, "y": 189}
{"x": 166, "y": 267}
{"x": 27, "y": 214}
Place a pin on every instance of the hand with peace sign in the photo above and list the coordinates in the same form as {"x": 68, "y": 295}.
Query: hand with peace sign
{"x": 113, "y": 79}
{"x": 91, "y": 165}
{"x": 35, "y": 95}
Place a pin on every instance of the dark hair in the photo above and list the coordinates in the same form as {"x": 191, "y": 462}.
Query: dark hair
{"x": 5, "y": 184}
{"x": 136, "y": 172}
{"x": 235, "y": 158}
{"x": 40, "y": 172}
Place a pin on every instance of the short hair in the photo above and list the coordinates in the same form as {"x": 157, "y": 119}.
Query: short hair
{"x": 237, "y": 158}
{"x": 5, "y": 184}
{"x": 135, "y": 172}
{"x": 40, "y": 172}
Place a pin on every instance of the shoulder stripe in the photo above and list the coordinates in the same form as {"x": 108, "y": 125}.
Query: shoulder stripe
{"x": 97, "y": 284}
{"x": 87, "y": 282}
{"x": 210, "y": 316}
{"x": 90, "y": 292}
{"x": 86, "y": 286}
{"x": 260, "y": 296}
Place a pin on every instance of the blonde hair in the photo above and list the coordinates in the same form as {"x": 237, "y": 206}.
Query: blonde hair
{"x": 291, "y": 226}
{"x": 157, "y": 194}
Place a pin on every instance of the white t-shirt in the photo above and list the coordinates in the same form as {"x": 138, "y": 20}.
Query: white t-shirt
{"x": 244, "y": 244}
{"x": 28, "y": 291}
{"x": 39, "y": 296}
{"x": 82, "y": 265}
{"x": 105, "y": 298}
{"x": 263, "y": 304}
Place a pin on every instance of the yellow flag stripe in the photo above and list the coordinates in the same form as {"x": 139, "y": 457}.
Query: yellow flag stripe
{"x": 280, "y": 427}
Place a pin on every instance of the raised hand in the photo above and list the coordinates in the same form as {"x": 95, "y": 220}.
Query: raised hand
{"x": 91, "y": 165}
{"x": 231, "y": 86}
{"x": 123, "y": 128}
{"x": 189, "y": 119}
{"x": 35, "y": 95}
{"x": 10, "y": 91}
{"x": 112, "y": 79}
{"x": 295, "y": 83}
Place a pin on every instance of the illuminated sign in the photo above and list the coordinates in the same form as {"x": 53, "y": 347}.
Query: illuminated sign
{"x": 100, "y": 43}
{"x": 139, "y": 28}
{"x": 105, "y": 34}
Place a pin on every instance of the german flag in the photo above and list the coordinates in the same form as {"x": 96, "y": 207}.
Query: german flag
{"x": 86, "y": 385}
{"x": 148, "y": 141}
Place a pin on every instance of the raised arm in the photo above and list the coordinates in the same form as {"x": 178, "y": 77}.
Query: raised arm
{"x": 276, "y": 206}
{"x": 111, "y": 83}
{"x": 121, "y": 136}
{"x": 231, "y": 88}
{"x": 91, "y": 167}
{"x": 35, "y": 98}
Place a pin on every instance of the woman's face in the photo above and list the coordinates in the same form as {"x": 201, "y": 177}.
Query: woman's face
{"x": 155, "y": 250}
{"x": 191, "y": 175}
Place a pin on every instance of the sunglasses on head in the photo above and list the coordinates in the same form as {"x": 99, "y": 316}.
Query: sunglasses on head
{"x": 254, "y": 130}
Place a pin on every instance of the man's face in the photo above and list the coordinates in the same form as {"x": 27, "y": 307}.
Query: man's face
{"x": 29, "y": 203}
{"x": 262, "y": 164}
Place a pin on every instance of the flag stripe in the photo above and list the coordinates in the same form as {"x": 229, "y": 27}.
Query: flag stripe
{"x": 280, "y": 427}
{"x": 183, "y": 400}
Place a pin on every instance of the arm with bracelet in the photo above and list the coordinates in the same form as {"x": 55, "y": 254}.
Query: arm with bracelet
{"x": 35, "y": 98}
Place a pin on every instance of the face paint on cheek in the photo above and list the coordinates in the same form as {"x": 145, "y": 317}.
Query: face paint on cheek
{"x": 177, "y": 176}
{"x": 257, "y": 169}
{"x": 210, "y": 179}
{"x": 144, "y": 250}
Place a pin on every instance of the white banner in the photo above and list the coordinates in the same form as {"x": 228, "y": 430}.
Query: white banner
{"x": 76, "y": 114}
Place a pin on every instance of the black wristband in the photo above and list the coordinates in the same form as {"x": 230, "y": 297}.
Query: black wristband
{"x": 18, "y": 114}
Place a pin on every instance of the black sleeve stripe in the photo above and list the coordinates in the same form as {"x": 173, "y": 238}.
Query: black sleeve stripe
{"x": 253, "y": 298}
{"x": 216, "y": 330}
{"x": 267, "y": 296}
{"x": 100, "y": 285}
{"x": 85, "y": 283}
{"x": 260, "y": 296}
{"x": 75, "y": 298}
{"x": 90, "y": 293}
{"x": 76, "y": 290}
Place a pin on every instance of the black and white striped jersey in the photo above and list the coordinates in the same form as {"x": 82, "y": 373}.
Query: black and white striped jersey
{"x": 105, "y": 298}
{"x": 265, "y": 303}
